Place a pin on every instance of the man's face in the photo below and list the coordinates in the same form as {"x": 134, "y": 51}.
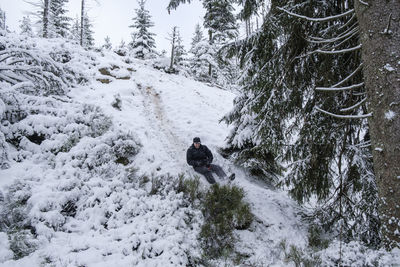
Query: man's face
{"x": 196, "y": 144}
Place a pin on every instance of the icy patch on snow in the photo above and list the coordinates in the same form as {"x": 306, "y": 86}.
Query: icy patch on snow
{"x": 389, "y": 115}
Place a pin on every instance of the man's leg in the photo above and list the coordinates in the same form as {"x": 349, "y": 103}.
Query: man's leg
{"x": 218, "y": 170}
{"x": 207, "y": 173}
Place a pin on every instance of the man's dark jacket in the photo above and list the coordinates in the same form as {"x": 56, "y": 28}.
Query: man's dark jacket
{"x": 198, "y": 157}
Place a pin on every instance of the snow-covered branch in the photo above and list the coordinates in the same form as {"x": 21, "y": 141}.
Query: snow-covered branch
{"x": 318, "y": 40}
{"x": 351, "y": 11}
{"x": 7, "y": 79}
{"x": 358, "y": 47}
{"x": 348, "y": 77}
{"x": 364, "y": 3}
{"x": 21, "y": 85}
{"x": 344, "y": 116}
{"x": 354, "y": 106}
{"x": 354, "y": 86}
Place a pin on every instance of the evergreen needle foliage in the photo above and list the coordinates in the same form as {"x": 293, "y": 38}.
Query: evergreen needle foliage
{"x": 276, "y": 123}
{"x": 224, "y": 210}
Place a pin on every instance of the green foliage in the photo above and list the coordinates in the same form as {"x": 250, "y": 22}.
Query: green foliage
{"x": 224, "y": 211}
{"x": 275, "y": 120}
{"x": 299, "y": 257}
{"x": 316, "y": 238}
{"x": 190, "y": 188}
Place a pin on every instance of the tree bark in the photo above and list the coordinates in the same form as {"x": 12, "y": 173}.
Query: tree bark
{"x": 46, "y": 18}
{"x": 173, "y": 47}
{"x": 210, "y": 42}
{"x": 82, "y": 21}
{"x": 379, "y": 22}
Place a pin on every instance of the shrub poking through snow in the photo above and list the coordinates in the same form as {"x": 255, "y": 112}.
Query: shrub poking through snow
{"x": 224, "y": 211}
{"x": 190, "y": 187}
{"x": 117, "y": 103}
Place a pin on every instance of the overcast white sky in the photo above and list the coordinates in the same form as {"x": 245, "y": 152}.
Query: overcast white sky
{"x": 112, "y": 18}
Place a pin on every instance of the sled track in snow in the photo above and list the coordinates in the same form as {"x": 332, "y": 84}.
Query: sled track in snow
{"x": 155, "y": 114}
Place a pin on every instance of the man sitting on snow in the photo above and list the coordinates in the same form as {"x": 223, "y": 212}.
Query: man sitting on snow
{"x": 200, "y": 157}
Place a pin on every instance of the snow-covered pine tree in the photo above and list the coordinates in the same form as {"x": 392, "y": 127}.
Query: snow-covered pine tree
{"x": 220, "y": 21}
{"x": 107, "y": 43}
{"x": 75, "y": 31}
{"x": 202, "y": 54}
{"x": 222, "y": 28}
{"x": 180, "y": 51}
{"x": 143, "y": 43}
{"x": 275, "y": 119}
{"x": 26, "y": 26}
{"x": 121, "y": 49}
{"x": 173, "y": 37}
{"x": 52, "y": 20}
{"x": 88, "y": 39}
{"x": 198, "y": 36}
{"x": 59, "y": 18}
{"x": 177, "y": 48}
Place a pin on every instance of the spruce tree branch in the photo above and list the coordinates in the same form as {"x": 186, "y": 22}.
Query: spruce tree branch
{"x": 348, "y": 77}
{"x": 351, "y": 11}
{"x": 364, "y": 3}
{"x": 344, "y": 41}
{"x": 348, "y": 22}
{"x": 358, "y": 47}
{"x": 364, "y": 116}
{"x": 318, "y": 40}
{"x": 354, "y": 86}
{"x": 354, "y": 106}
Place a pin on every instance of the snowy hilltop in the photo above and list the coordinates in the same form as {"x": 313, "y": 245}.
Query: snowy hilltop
{"x": 94, "y": 173}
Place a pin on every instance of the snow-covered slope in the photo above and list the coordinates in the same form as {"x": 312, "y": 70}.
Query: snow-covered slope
{"x": 87, "y": 209}
{"x": 99, "y": 186}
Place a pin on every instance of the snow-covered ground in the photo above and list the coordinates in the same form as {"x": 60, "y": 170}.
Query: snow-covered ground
{"x": 118, "y": 220}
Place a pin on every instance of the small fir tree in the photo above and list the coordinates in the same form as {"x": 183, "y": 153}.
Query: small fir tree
{"x": 59, "y": 20}
{"x": 107, "y": 43}
{"x": 143, "y": 44}
{"x": 121, "y": 49}
{"x": 197, "y": 37}
{"x": 180, "y": 50}
{"x": 75, "y": 30}
{"x": 26, "y": 26}
{"x": 88, "y": 40}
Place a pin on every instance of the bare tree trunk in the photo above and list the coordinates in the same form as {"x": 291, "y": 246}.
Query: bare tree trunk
{"x": 379, "y": 21}
{"x": 4, "y": 20}
{"x": 210, "y": 41}
{"x": 173, "y": 47}
{"x": 46, "y": 18}
{"x": 82, "y": 21}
